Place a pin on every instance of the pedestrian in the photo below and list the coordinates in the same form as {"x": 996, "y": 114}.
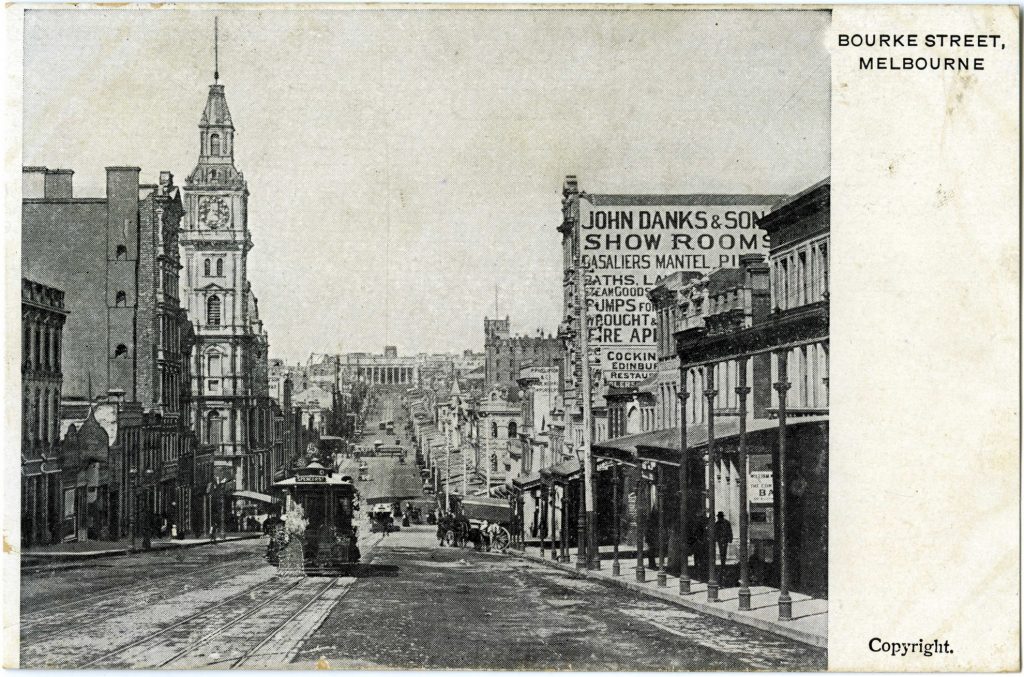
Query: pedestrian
{"x": 493, "y": 532}
{"x": 485, "y": 535}
{"x": 651, "y": 538}
{"x": 723, "y": 535}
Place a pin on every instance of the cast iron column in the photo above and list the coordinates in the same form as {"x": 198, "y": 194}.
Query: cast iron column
{"x": 554, "y": 508}
{"x": 581, "y": 525}
{"x": 684, "y": 534}
{"x": 742, "y": 390}
{"x": 615, "y": 516}
{"x": 662, "y": 580}
{"x": 640, "y": 510}
{"x": 710, "y": 393}
{"x": 544, "y": 518}
{"x": 563, "y": 532}
{"x": 781, "y": 386}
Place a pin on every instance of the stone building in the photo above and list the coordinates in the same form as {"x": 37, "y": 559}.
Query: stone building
{"x": 234, "y": 420}
{"x": 42, "y": 321}
{"x": 116, "y": 257}
{"x": 505, "y": 354}
{"x": 381, "y": 369}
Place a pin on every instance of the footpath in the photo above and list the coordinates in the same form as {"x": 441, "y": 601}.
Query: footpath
{"x": 810, "y": 615}
{"x": 85, "y": 550}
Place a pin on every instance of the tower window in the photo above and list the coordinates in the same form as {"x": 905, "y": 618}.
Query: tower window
{"x": 122, "y": 252}
{"x": 206, "y": 267}
{"x": 213, "y": 311}
{"x": 120, "y": 350}
{"x": 220, "y": 267}
{"x": 214, "y": 144}
{"x": 121, "y": 299}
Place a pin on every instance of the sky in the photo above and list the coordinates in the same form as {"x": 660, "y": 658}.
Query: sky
{"x": 405, "y": 166}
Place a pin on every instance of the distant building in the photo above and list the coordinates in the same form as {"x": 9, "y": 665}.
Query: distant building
{"x": 387, "y": 369}
{"x": 505, "y": 354}
{"x": 42, "y": 321}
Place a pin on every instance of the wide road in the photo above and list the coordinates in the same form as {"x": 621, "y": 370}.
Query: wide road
{"x": 410, "y": 604}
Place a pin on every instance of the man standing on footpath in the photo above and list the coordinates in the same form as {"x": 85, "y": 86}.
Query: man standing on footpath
{"x": 723, "y": 535}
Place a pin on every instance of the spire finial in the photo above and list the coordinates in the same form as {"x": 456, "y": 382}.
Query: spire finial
{"x": 216, "y": 59}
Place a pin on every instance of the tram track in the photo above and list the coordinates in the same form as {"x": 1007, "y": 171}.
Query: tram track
{"x": 191, "y": 618}
{"x": 178, "y": 647}
{"x": 40, "y": 616}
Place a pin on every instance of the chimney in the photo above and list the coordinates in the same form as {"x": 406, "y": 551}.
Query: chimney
{"x": 57, "y": 184}
{"x": 33, "y": 182}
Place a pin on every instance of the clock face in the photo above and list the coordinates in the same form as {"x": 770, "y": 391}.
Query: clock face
{"x": 214, "y": 212}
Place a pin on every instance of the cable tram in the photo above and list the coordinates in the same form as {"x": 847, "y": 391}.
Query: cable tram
{"x": 330, "y": 540}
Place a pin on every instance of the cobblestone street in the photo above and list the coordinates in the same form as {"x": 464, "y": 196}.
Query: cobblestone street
{"x": 410, "y": 604}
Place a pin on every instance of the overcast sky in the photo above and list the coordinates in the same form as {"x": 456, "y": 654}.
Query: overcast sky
{"x": 402, "y": 164}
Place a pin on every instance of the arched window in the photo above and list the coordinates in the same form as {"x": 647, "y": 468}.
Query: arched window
{"x": 206, "y": 267}
{"x": 120, "y": 350}
{"x": 220, "y": 267}
{"x": 494, "y": 463}
{"x": 213, "y": 311}
{"x": 494, "y": 429}
{"x": 122, "y": 252}
{"x": 120, "y": 299}
{"x": 214, "y": 428}
{"x": 511, "y": 429}
{"x": 214, "y": 144}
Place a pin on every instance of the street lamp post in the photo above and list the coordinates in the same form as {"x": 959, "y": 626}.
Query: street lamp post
{"x": 710, "y": 393}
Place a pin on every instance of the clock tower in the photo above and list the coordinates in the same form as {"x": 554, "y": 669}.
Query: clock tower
{"x": 229, "y": 397}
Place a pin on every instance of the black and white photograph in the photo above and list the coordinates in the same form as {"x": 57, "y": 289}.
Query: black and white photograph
{"x": 429, "y": 337}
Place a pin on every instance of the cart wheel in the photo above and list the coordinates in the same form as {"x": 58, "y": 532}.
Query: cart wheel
{"x": 501, "y": 540}
{"x": 449, "y": 538}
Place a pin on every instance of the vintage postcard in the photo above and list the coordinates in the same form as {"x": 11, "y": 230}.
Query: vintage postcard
{"x": 510, "y": 337}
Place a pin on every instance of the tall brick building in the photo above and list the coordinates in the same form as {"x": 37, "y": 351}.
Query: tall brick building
{"x": 116, "y": 258}
{"x": 505, "y": 354}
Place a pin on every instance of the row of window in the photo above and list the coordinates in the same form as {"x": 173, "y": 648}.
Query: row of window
{"x": 41, "y": 347}
{"x": 40, "y": 415}
{"x": 800, "y": 276}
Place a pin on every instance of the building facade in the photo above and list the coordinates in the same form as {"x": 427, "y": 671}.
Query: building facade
{"x": 42, "y": 322}
{"x": 127, "y": 335}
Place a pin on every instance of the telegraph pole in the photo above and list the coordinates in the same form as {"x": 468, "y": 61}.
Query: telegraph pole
{"x": 592, "y": 558}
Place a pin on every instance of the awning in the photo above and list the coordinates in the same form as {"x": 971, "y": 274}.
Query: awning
{"x": 254, "y": 496}
{"x": 662, "y": 446}
{"x": 563, "y": 471}
{"x": 526, "y": 483}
